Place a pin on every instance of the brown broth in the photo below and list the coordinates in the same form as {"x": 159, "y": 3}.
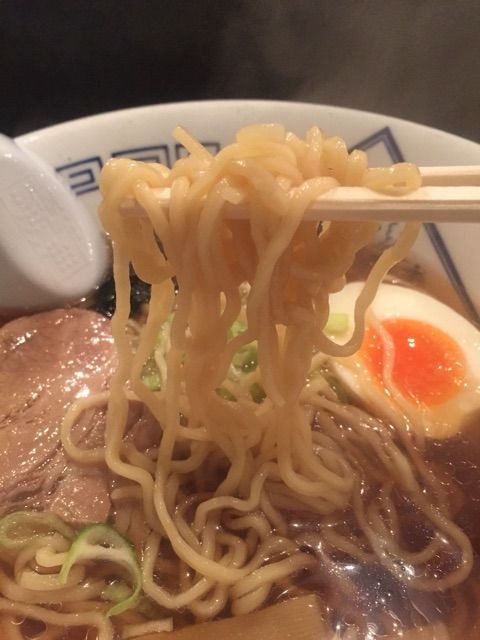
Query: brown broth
{"x": 366, "y": 596}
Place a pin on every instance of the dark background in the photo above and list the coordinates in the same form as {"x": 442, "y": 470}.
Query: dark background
{"x": 417, "y": 59}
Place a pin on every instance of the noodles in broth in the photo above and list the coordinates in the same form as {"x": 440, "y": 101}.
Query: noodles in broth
{"x": 253, "y": 481}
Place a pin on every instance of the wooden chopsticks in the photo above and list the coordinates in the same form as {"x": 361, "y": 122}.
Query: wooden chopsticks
{"x": 447, "y": 194}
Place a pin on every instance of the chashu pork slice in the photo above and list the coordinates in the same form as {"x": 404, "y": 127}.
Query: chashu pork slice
{"x": 48, "y": 360}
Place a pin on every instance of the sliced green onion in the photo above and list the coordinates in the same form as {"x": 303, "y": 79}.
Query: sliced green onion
{"x": 151, "y": 375}
{"x": 116, "y": 592}
{"x": 101, "y": 542}
{"x": 18, "y": 529}
{"x": 246, "y": 357}
{"x": 237, "y": 328}
{"x": 337, "y": 323}
{"x": 225, "y": 394}
{"x": 336, "y": 385}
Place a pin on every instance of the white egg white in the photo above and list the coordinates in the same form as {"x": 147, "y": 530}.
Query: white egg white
{"x": 392, "y": 301}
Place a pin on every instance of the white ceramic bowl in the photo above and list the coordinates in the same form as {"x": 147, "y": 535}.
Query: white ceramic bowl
{"x": 448, "y": 254}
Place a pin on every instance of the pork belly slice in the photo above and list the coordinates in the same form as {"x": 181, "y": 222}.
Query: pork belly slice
{"x": 47, "y": 361}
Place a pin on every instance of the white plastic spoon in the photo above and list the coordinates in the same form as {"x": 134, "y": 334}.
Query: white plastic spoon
{"x": 52, "y": 251}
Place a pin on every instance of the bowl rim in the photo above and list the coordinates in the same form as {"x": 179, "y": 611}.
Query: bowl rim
{"x": 227, "y": 102}
{"x": 101, "y": 127}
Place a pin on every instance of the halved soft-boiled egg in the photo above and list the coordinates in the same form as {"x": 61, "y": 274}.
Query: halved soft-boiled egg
{"x": 418, "y": 357}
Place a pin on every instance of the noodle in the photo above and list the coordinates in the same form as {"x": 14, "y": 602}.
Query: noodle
{"x": 217, "y": 487}
{"x": 90, "y": 618}
{"x": 290, "y": 271}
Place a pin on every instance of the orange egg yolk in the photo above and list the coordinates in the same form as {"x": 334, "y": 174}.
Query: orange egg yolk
{"x": 428, "y": 367}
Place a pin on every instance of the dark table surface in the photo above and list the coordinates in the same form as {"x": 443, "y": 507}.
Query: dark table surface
{"x": 417, "y": 59}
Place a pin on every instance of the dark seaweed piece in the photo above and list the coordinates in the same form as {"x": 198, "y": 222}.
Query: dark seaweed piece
{"x": 140, "y": 293}
{"x": 104, "y": 301}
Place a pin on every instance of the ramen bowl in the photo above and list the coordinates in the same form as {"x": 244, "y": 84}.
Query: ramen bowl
{"x": 445, "y": 254}
{"x": 352, "y": 480}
